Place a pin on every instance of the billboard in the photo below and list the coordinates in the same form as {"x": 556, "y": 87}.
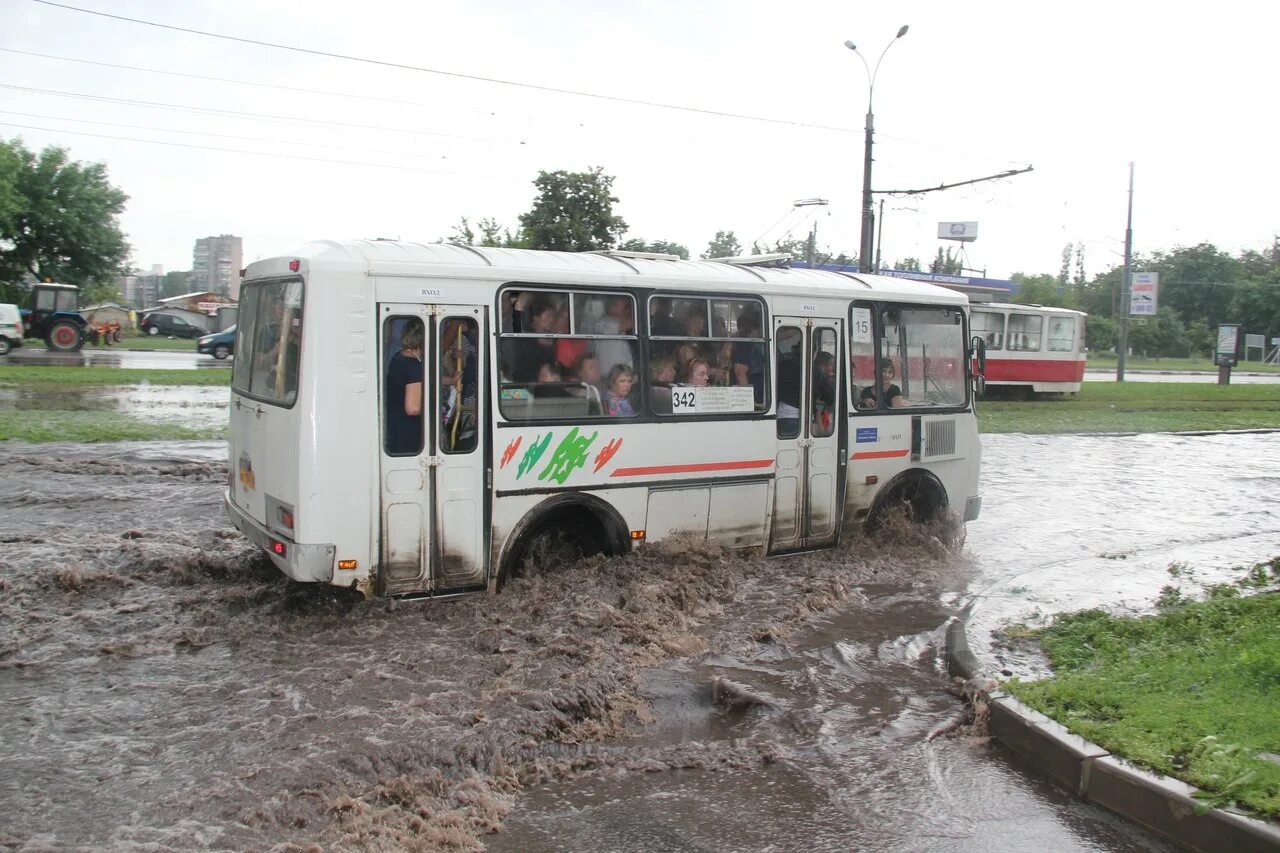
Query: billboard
{"x": 1143, "y": 290}
{"x": 965, "y": 232}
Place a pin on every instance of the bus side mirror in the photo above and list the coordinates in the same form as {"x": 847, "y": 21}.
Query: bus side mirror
{"x": 978, "y": 350}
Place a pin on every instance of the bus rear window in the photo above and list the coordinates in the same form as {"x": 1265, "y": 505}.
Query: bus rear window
{"x": 268, "y": 341}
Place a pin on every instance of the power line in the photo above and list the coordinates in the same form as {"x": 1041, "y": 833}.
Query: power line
{"x": 454, "y": 74}
{"x": 257, "y": 116}
{"x": 255, "y": 153}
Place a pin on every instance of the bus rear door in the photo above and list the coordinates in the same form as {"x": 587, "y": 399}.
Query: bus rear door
{"x": 433, "y": 491}
{"x": 811, "y": 431}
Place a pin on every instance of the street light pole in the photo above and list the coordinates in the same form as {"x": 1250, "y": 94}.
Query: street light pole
{"x": 868, "y": 209}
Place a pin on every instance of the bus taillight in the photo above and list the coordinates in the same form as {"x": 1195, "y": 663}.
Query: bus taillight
{"x": 278, "y": 548}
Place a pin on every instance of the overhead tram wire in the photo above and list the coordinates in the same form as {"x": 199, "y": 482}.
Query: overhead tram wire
{"x": 453, "y": 74}
{"x": 260, "y": 153}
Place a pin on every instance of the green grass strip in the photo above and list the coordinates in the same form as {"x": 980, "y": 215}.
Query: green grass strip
{"x": 14, "y": 375}
{"x": 42, "y": 426}
{"x": 1138, "y": 407}
{"x": 1193, "y": 692}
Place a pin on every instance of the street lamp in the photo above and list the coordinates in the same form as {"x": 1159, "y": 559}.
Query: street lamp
{"x": 868, "y": 212}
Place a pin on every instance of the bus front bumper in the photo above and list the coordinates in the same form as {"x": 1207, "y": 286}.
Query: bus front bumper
{"x": 307, "y": 563}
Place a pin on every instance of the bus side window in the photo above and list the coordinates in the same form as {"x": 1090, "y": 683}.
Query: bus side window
{"x": 459, "y": 384}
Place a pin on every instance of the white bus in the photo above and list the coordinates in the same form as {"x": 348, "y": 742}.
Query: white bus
{"x": 602, "y": 400}
{"x": 1030, "y": 347}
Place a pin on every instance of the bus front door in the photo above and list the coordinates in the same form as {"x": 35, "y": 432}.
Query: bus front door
{"x": 432, "y": 462}
{"x": 811, "y": 431}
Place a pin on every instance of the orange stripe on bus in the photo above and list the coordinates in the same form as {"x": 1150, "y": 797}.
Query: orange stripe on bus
{"x": 693, "y": 468}
{"x": 881, "y": 454}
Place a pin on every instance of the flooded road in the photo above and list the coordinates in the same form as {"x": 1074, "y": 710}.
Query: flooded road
{"x": 193, "y": 406}
{"x": 163, "y": 688}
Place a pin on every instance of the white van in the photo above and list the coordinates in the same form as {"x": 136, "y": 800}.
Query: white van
{"x": 10, "y": 327}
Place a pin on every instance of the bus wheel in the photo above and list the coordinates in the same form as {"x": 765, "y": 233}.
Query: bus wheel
{"x": 560, "y": 538}
{"x": 920, "y": 499}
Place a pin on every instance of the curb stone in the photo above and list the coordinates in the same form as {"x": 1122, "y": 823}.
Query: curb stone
{"x": 1163, "y": 805}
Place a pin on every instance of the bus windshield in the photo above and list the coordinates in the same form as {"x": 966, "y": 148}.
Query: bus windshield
{"x": 268, "y": 340}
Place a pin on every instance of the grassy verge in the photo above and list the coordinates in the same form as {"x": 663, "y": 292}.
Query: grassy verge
{"x": 47, "y": 425}
{"x": 149, "y": 342}
{"x": 13, "y": 375}
{"x": 1108, "y": 362}
{"x": 1192, "y": 692}
{"x": 1138, "y": 407}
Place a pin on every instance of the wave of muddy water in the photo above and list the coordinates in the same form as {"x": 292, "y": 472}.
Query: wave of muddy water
{"x": 165, "y": 688}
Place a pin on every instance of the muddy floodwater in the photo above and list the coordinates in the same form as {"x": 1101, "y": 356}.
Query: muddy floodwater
{"x": 162, "y": 687}
{"x": 191, "y": 406}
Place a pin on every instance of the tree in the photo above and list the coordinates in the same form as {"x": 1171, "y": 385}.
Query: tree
{"x": 572, "y": 213}
{"x": 1042, "y": 289}
{"x": 492, "y": 234}
{"x": 1065, "y": 273}
{"x": 723, "y": 245}
{"x": 947, "y": 264}
{"x": 58, "y": 221}
{"x": 662, "y": 247}
{"x": 1196, "y": 282}
{"x": 908, "y": 265}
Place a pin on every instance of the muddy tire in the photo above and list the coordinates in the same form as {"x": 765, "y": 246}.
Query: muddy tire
{"x": 4, "y": 346}
{"x": 117, "y": 336}
{"x": 221, "y": 351}
{"x": 65, "y": 336}
{"x": 917, "y": 500}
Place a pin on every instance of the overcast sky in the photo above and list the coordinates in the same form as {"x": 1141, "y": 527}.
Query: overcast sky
{"x": 973, "y": 89}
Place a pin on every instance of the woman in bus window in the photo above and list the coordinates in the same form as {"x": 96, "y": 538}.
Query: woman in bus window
{"x": 699, "y": 372}
{"x": 892, "y": 394}
{"x": 662, "y": 372}
{"x": 404, "y": 392}
{"x": 617, "y": 402}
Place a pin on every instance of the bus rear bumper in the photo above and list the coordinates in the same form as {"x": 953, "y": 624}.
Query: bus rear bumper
{"x": 307, "y": 563}
{"x": 972, "y": 507}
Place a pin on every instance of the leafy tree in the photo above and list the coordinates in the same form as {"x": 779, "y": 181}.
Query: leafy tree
{"x": 1196, "y": 282}
{"x": 1100, "y": 334}
{"x": 723, "y": 245}
{"x": 947, "y": 264}
{"x": 573, "y": 212}
{"x": 492, "y": 234}
{"x": 908, "y": 265}
{"x": 58, "y": 220}
{"x": 176, "y": 283}
{"x": 660, "y": 246}
{"x": 796, "y": 248}
{"x": 1042, "y": 289}
{"x": 1065, "y": 273}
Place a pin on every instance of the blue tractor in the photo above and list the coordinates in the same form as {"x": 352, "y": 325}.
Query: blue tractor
{"x": 52, "y": 316}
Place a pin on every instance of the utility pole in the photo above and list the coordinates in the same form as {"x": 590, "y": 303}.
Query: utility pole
{"x": 880, "y": 236}
{"x": 811, "y": 245}
{"x": 1122, "y": 346}
{"x": 868, "y": 208}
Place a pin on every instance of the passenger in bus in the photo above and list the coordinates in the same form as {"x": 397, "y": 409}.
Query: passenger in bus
{"x": 523, "y": 356}
{"x": 824, "y": 393}
{"x": 459, "y": 381}
{"x": 551, "y": 381}
{"x": 662, "y": 372}
{"x": 618, "y": 319}
{"x": 694, "y": 322}
{"x": 404, "y": 392}
{"x": 748, "y": 358}
{"x": 617, "y": 402}
{"x": 685, "y": 355}
{"x": 789, "y": 382}
{"x": 885, "y": 389}
{"x": 660, "y": 321}
{"x": 699, "y": 373}
{"x": 589, "y": 379}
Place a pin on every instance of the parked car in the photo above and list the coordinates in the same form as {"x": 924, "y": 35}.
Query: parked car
{"x": 219, "y": 345}
{"x": 167, "y": 324}
{"x": 10, "y": 327}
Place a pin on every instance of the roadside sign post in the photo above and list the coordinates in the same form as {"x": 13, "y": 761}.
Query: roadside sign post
{"x": 1227, "y": 354}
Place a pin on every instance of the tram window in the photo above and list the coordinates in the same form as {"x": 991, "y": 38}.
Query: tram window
{"x": 1062, "y": 334}
{"x": 1025, "y": 331}
{"x": 558, "y": 349}
{"x": 697, "y": 342}
{"x": 990, "y": 327}
{"x": 459, "y": 385}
